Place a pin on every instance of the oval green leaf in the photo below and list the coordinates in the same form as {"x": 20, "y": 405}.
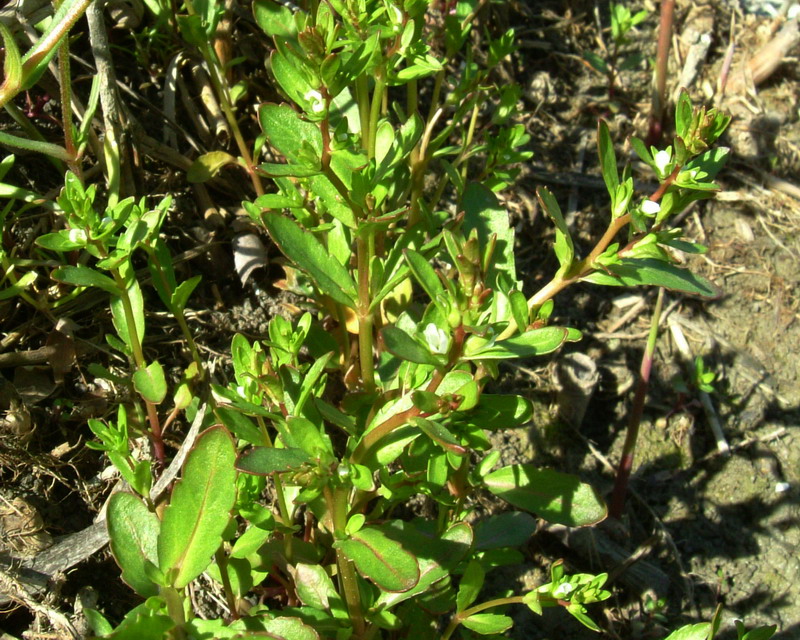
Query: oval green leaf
{"x": 263, "y": 461}
{"x": 199, "y": 509}
{"x": 381, "y": 560}
{"x": 133, "y": 531}
{"x": 557, "y": 497}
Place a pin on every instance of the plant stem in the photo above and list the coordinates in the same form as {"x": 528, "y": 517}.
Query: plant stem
{"x": 365, "y": 317}
{"x": 230, "y": 597}
{"x": 375, "y": 111}
{"x": 662, "y": 60}
{"x": 635, "y": 419}
{"x": 457, "y": 619}
{"x": 348, "y": 581}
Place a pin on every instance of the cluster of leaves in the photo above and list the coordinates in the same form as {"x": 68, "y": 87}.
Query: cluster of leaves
{"x": 376, "y": 393}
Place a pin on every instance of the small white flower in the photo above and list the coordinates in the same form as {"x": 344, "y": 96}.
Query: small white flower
{"x": 77, "y": 235}
{"x": 650, "y": 208}
{"x": 782, "y": 487}
{"x": 437, "y": 340}
{"x": 398, "y": 15}
{"x": 663, "y": 159}
{"x": 563, "y": 590}
{"x": 315, "y": 98}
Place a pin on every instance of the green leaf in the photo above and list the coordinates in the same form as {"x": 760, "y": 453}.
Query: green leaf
{"x": 519, "y": 309}
{"x": 314, "y": 586}
{"x": 150, "y": 383}
{"x": 133, "y": 531}
{"x": 510, "y": 529}
{"x": 274, "y": 18}
{"x": 535, "y": 342}
{"x": 630, "y": 272}
{"x": 82, "y": 276}
{"x": 565, "y": 250}
{"x": 12, "y": 65}
{"x": 381, "y": 560}
{"x": 424, "y": 273}
{"x": 240, "y": 425}
{"x": 289, "y": 133}
{"x": 488, "y": 623}
{"x": 760, "y": 633}
{"x": 557, "y": 497}
{"x": 199, "y": 509}
{"x": 691, "y": 632}
{"x": 278, "y": 170}
{"x": 402, "y": 345}
{"x": 596, "y": 62}
{"x": 439, "y": 434}
{"x": 22, "y": 283}
{"x": 289, "y": 629}
{"x": 64, "y": 240}
{"x": 302, "y": 248}
{"x": 437, "y": 557}
{"x": 208, "y": 165}
{"x": 501, "y": 411}
{"x": 181, "y": 294}
{"x": 266, "y": 460}
{"x": 470, "y": 585}
{"x": 608, "y": 159}
{"x": 482, "y": 211}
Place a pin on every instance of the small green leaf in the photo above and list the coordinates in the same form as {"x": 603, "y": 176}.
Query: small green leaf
{"x": 82, "y": 276}
{"x": 240, "y": 425}
{"x": 596, "y": 62}
{"x": 208, "y": 165}
{"x": 199, "y": 508}
{"x": 133, "y": 531}
{"x": 501, "y": 411}
{"x": 439, "y": 434}
{"x": 181, "y": 294}
{"x": 535, "y": 342}
{"x": 289, "y": 629}
{"x": 64, "y": 240}
{"x": 424, "y": 273}
{"x": 565, "y": 250}
{"x": 22, "y": 283}
{"x": 482, "y": 211}
{"x": 488, "y": 623}
{"x": 279, "y": 170}
{"x": 691, "y": 632}
{"x": 381, "y": 559}
{"x": 302, "y": 248}
{"x": 150, "y": 383}
{"x": 402, "y": 345}
{"x": 274, "y": 18}
{"x": 510, "y": 529}
{"x": 266, "y": 460}
{"x": 470, "y": 585}
{"x": 519, "y": 309}
{"x": 12, "y": 65}
{"x": 557, "y": 497}
{"x": 632, "y": 272}
{"x": 314, "y": 586}
{"x": 608, "y": 159}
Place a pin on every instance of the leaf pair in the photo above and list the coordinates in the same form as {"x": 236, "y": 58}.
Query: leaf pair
{"x": 178, "y": 548}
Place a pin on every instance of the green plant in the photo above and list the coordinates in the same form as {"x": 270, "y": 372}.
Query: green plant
{"x": 617, "y": 59}
{"x": 377, "y": 394}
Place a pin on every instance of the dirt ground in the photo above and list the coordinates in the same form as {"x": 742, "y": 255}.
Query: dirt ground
{"x": 701, "y": 527}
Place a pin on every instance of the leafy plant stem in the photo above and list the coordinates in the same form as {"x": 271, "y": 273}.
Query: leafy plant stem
{"x": 65, "y": 88}
{"x": 662, "y": 58}
{"x": 468, "y": 140}
{"x": 362, "y": 98}
{"x": 375, "y": 111}
{"x": 230, "y": 597}
{"x": 175, "y": 608}
{"x": 283, "y": 507}
{"x": 637, "y": 410}
{"x": 338, "y": 508}
{"x": 457, "y": 619}
{"x": 364, "y": 248}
